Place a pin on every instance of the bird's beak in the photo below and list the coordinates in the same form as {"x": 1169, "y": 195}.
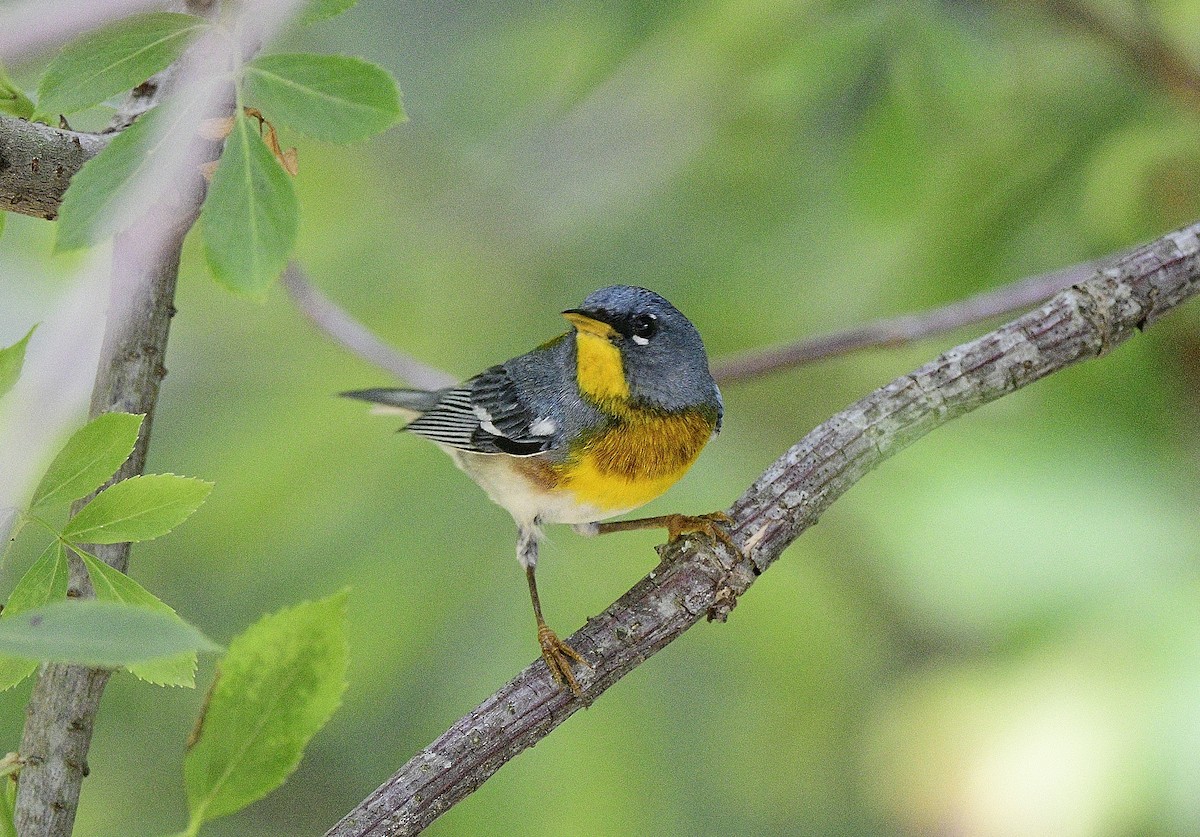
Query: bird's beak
{"x": 588, "y": 324}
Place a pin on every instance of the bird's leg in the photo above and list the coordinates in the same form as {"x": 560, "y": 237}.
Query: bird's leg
{"x": 555, "y": 652}
{"x": 676, "y": 526}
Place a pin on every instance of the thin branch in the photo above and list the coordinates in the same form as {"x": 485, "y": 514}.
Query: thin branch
{"x": 699, "y": 579}
{"x": 353, "y": 335}
{"x": 897, "y": 331}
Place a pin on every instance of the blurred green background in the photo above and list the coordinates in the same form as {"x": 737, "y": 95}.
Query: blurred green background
{"x": 998, "y": 633}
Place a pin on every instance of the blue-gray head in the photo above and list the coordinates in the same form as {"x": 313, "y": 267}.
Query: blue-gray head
{"x": 662, "y": 356}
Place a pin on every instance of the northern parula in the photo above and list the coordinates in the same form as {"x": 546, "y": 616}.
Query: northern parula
{"x": 591, "y": 424}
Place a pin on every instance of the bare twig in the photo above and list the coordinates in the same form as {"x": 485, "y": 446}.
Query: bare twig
{"x": 698, "y": 578}
{"x": 356, "y": 337}
{"x": 896, "y": 331}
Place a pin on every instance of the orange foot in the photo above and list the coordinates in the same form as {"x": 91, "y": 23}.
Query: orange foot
{"x": 558, "y": 656}
{"x": 706, "y": 524}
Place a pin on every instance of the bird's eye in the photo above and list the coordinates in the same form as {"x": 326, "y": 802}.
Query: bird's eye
{"x": 643, "y": 327}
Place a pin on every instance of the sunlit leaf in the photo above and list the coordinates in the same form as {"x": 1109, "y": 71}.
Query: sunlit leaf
{"x": 250, "y": 217}
{"x": 112, "y": 585}
{"x": 114, "y": 59}
{"x": 12, "y": 359}
{"x": 325, "y": 9}
{"x": 279, "y": 683}
{"x": 44, "y": 582}
{"x": 88, "y": 458}
{"x": 98, "y": 634}
{"x": 329, "y": 97}
{"x": 137, "y": 509}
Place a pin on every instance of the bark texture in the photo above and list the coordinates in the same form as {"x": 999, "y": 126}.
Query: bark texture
{"x": 62, "y": 708}
{"x": 698, "y": 579}
{"x": 37, "y": 162}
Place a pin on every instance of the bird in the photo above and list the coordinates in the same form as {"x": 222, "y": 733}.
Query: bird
{"x": 590, "y": 425}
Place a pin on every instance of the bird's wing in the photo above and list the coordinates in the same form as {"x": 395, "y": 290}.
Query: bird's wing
{"x": 487, "y": 415}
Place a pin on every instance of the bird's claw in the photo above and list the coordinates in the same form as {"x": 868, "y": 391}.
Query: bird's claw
{"x": 679, "y": 525}
{"x": 558, "y": 656}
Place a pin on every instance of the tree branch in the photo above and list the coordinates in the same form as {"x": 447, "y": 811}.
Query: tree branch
{"x": 353, "y": 335}
{"x": 907, "y": 328}
{"x": 699, "y": 579}
{"x": 37, "y": 163}
{"x": 145, "y": 268}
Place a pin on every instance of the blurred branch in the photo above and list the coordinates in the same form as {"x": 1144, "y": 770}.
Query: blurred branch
{"x": 145, "y": 269}
{"x": 37, "y": 163}
{"x": 30, "y": 27}
{"x": 697, "y": 578}
{"x": 356, "y": 337}
{"x": 897, "y": 331}
{"x": 1145, "y": 48}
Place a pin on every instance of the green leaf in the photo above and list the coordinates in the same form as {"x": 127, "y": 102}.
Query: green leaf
{"x": 88, "y": 458}
{"x": 13, "y": 100}
{"x": 279, "y": 683}
{"x": 137, "y": 509}
{"x": 93, "y": 207}
{"x": 112, "y": 585}
{"x": 249, "y": 218}
{"x": 3, "y": 218}
{"x": 98, "y": 634}
{"x": 114, "y": 59}
{"x": 44, "y": 582}
{"x": 329, "y": 97}
{"x": 324, "y": 9}
{"x": 11, "y": 361}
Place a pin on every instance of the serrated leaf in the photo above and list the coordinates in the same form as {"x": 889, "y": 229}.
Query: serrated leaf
{"x": 88, "y": 458}
{"x": 318, "y": 10}
{"x": 137, "y": 509}
{"x": 330, "y": 97}
{"x": 98, "y": 634}
{"x": 44, "y": 582}
{"x": 278, "y": 684}
{"x": 12, "y": 359}
{"x": 249, "y": 218}
{"x": 114, "y": 59}
{"x": 112, "y": 585}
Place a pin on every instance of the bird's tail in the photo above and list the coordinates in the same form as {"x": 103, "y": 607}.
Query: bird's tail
{"x": 409, "y": 403}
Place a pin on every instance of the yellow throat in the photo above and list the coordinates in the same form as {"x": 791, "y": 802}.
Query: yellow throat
{"x": 600, "y": 373}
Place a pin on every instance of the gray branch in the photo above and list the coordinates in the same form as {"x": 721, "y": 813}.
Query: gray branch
{"x": 906, "y": 328}
{"x": 37, "y": 163}
{"x": 698, "y": 579}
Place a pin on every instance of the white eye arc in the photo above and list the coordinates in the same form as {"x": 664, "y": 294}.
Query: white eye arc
{"x": 641, "y": 341}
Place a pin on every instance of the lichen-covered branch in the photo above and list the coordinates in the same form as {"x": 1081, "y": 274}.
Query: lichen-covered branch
{"x": 37, "y": 163}
{"x": 698, "y": 579}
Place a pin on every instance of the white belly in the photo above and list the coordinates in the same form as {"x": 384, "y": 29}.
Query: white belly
{"x": 523, "y": 499}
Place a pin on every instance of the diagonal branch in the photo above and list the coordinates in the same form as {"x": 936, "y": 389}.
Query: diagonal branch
{"x": 697, "y": 579}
